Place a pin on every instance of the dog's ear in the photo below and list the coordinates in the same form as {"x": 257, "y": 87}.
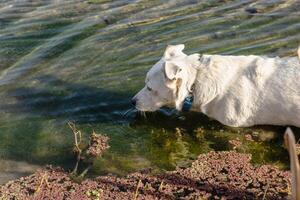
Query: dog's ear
{"x": 194, "y": 60}
{"x": 171, "y": 70}
{"x": 173, "y": 51}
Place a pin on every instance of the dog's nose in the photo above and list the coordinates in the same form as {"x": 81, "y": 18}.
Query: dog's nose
{"x": 133, "y": 102}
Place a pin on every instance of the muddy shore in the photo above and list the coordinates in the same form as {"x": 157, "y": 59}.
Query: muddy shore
{"x": 215, "y": 175}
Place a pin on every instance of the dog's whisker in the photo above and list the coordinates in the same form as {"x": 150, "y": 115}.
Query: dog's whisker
{"x": 144, "y": 114}
{"x": 127, "y": 112}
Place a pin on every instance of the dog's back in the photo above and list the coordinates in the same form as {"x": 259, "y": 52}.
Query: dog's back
{"x": 281, "y": 94}
{"x": 254, "y": 90}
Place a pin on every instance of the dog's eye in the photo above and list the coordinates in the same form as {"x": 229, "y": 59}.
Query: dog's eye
{"x": 148, "y": 88}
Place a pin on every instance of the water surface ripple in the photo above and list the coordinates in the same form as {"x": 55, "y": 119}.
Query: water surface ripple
{"x": 82, "y": 60}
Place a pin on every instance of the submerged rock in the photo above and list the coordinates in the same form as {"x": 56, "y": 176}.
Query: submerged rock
{"x": 251, "y": 10}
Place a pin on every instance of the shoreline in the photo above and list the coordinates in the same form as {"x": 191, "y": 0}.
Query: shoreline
{"x": 214, "y": 175}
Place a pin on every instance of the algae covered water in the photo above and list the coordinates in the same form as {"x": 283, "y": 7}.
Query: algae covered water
{"x": 82, "y": 61}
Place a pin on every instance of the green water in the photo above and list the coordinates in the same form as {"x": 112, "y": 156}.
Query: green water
{"x": 82, "y": 61}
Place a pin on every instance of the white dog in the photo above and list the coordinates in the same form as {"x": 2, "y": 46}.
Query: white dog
{"x": 238, "y": 91}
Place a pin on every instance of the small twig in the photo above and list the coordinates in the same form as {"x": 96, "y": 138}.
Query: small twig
{"x": 44, "y": 179}
{"x": 161, "y": 185}
{"x": 265, "y": 193}
{"x": 76, "y": 165}
{"x": 77, "y": 142}
{"x": 85, "y": 171}
{"x": 137, "y": 189}
{"x": 289, "y": 189}
{"x": 76, "y": 134}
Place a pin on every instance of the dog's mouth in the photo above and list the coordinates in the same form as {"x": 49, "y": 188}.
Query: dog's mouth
{"x": 142, "y": 108}
{"x": 145, "y": 109}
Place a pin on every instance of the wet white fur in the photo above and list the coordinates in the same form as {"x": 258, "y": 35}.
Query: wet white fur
{"x": 237, "y": 91}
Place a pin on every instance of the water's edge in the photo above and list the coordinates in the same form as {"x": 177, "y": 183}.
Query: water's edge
{"x": 82, "y": 61}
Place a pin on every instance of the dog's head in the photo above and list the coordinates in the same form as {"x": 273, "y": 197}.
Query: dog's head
{"x": 169, "y": 81}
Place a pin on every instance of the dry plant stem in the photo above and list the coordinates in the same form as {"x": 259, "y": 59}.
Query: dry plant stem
{"x": 77, "y": 142}
{"x": 289, "y": 139}
{"x": 77, "y": 163}
{"x": 85, "y": 171}
{"x": 44, "y": 179}
{"x": 137, "y": 190}
{"x": 265, "y": 193}
{"x": 161, "y": 185}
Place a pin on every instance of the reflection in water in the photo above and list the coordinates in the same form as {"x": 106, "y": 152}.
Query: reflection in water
{"x": 82, "y": 61}
{"x": 11, "y": 169}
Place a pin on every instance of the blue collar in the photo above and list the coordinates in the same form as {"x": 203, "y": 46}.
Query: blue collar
{"x": 187, "y": 103}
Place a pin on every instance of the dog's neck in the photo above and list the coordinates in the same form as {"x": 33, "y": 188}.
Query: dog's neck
{"x": 192, "y": 74}
{"x": 206, "y": 78}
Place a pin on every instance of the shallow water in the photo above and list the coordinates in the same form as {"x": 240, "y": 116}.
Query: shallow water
{"x": 81, "y": 61}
